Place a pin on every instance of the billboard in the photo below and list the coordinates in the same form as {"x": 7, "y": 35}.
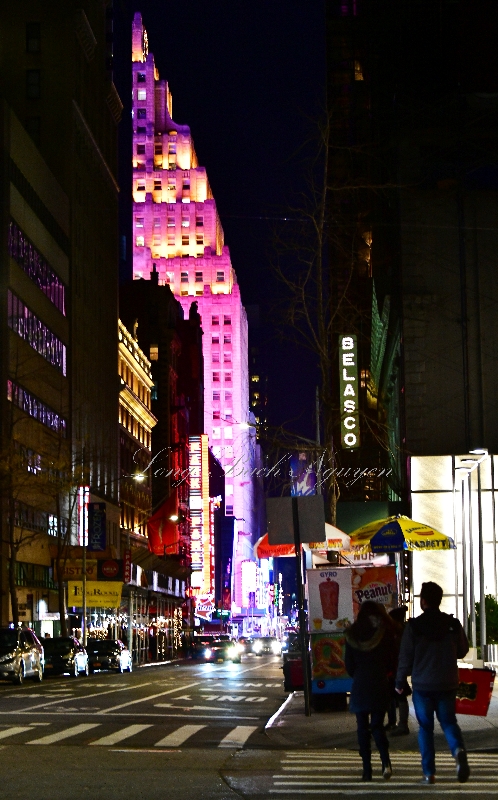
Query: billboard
{"x": 349, "y": 390}
{"x": 99, "y": 594}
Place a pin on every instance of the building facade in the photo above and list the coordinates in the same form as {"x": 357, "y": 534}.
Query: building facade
{"x": 177, "y": 229}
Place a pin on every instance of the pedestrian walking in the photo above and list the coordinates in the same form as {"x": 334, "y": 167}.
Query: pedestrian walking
{"x": 399, "y": 701}
{"x": 370, "y": 659}
{"x": 430, "y": 647}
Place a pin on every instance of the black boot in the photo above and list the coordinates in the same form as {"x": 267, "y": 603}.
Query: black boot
{"x": 387, "y": 769}
{"x": 367, "y": 770}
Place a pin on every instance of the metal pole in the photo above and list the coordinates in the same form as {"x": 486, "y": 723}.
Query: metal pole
{"x": 302, "y": 616}
{"x": 471, "y": 570}
{"x": 83, "y": 586}
{"x": 319, "y": 458}
{"x": 465, "y": 605}
{"x": 482, "y": 596}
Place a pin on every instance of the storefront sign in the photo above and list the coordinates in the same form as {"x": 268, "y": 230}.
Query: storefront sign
{"x": 96, "y": 527}
{"x": 110, "y": 569}
{"x": 99, "y": 594}
{"x": 73, "y": 569}
{"x": 349, "y": 392}
{"x": 204, "y": 607}
{"x": 127, "y": 566}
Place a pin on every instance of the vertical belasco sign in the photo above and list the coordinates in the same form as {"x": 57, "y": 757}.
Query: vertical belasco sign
{"x": 349, "y": 392}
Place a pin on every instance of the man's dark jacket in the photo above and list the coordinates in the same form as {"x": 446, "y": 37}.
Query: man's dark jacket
{"x": 430, "y": 647}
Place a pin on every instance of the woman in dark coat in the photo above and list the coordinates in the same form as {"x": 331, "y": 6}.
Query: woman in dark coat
{"x": 370, "y": 660}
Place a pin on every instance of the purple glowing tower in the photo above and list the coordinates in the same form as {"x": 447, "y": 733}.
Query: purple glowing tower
{"x": 176, "y": 227}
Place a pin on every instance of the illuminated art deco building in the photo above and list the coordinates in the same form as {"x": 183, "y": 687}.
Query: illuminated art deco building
{"x": 176, "y": 227}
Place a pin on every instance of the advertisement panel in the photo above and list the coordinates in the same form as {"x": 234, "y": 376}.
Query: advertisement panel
{"x": 99, "y": 594}
{"x": 330, "y": 599}
{"x": 374, "y": 583}
{"x": 327, "y": 656}
{"x": 303, "y": 475}
{"x": 73, "y": 569}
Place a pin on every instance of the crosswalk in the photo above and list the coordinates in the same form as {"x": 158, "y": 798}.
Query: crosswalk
{"x": 134, "y": 735}
{"x": 336, "y": 773}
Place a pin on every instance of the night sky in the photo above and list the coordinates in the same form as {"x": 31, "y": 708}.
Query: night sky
{"x": 249, "y": 80}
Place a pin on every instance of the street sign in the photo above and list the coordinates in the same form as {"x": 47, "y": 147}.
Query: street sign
{"x": 280, "y": 520}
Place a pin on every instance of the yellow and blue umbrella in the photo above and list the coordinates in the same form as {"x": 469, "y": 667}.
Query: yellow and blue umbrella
{"x": 395, "y": 534}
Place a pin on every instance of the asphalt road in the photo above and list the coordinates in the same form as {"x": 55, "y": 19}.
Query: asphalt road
{"x": 184, "y": 731}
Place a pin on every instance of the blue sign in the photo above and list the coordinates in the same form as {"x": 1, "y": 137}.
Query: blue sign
{"x": 97, "y": 539}
{"x": 303, "y": 475}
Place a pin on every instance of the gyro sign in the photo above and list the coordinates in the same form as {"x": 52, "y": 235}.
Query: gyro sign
{"x": 349, "y": 392}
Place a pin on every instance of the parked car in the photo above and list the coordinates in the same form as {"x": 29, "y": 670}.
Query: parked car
{"x": 267, "y": 644}
{"x": 109, "y": 654}
{"x": 21, "y": 655}
{"x": 223, "y": 650}
{"x": 65, "y": 654}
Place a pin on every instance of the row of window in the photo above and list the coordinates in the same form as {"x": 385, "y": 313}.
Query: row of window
{"x": 171, "y": 222}
{"x": 227, "y": 358}
{"x": 227, "y": 338}
{"x": 227, "y": 320}
{"x": 35, "y": 408}
{"x": 158, "y": 147}
{"x": 35, "y": 267}
{"x": 158, "y": 184}
{"x": 199, "y": 240}
{"x": 217, "y": 396}
{"x": 226, "y": 375}
{"x": 29, "y": 518}
{"x": 227, "y": 414}
{"x": 35, "y": 333}
{"x": 134, "y": 427}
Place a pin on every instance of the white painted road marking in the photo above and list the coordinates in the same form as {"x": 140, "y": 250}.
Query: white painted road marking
{"x": 65, "y": 734}
{"x": 120, "y": 736}
{"x": 146, "y": 699}
{"x": 178, "y": 737}
{"x": 13, "y": 731}
{"x": 238, "y": 736}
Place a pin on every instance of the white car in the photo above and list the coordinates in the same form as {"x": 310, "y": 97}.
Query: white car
{"x": 109, "y": 654}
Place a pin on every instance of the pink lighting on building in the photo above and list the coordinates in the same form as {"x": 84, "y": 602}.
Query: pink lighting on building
{"x": 176, "y": 227}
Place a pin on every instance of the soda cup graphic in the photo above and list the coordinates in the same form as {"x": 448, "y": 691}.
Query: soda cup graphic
{"x": 329, "y": 598}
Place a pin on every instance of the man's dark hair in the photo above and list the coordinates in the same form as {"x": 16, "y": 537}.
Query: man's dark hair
{"x": 432, "y": 594}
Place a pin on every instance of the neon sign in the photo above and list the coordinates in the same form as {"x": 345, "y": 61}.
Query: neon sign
{"x": 349, "y": 392}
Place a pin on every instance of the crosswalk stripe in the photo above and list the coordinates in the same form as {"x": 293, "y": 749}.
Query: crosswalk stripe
{"x": 238, "y": 736}
{"x": 13, "y": 731}
{"x": 119, "y": 736}
{"x": 178, "y": 737}
{"x": 65, "y": 734}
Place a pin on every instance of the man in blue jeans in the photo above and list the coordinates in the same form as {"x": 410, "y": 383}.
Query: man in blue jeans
{"x": 430, "y": 647}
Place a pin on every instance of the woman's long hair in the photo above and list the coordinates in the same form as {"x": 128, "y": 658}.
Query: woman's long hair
{"x": 370, "y": 616}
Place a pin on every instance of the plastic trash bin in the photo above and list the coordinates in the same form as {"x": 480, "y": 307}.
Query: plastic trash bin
{"x": 293, "y": 674}
{"x": 474, "y": 690}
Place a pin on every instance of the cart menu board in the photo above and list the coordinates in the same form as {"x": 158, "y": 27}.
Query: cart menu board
{"x": 374, "y": 583}
{"x": 330, "y": 600}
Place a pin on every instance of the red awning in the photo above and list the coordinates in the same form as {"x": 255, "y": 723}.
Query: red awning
{"x": 162, "y": 531}
{"x": 262, "y": 549}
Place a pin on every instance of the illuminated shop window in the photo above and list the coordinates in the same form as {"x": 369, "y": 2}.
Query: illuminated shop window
{"x": 141, "y": 113}
{"x": 35, "y": 267}
{"x": 140, "y": 77}
{"x": 184, "y": 277}
{"x": 227, "y": 320}
{"x": 220, "y": 278}
{"x": 215, "y": 320}
{"x": 139, "y": 222}
{"x": 199, "y": 277}
{"x": 140, "y": 241}
{"x": 140, "y": 149}
{"x": 32, "y": 330}
{"x": 141, "y": 94}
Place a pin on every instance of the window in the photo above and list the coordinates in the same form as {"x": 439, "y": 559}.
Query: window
{"x": 140, "y": 241}
{"x": 229, "y": 511}
{"x": 228, "y": 451}
{"x": 157, "y": 222}
{"x": 227, "y": 358}
{"x": 141, "y": 94}
{"x": 158, "y": 149}
{"x": 33, "y": 84}
{"x": 35, "y": 267}
{"x": 172, "y": 148}
{"x": 171, "y": 239}
{"x": 215, "y": 340}
{"x": 139, "y": 222}
{"x": 199, "y": 221}
{"x": 140, "y": 149}
{"x": 27, "y": 325}
{"x": 199, "y": 277}
{"x": 141, "y": 129}
{"x": 34, "y": 407}
{"x": 157, "y": 186}
{"x": 228, "y": 414}
{"x": 220, "y": 278}
{"x": 154, "y": 352}
{"x": 33, "y": 37}
{"x": 227, "y": 320}
{"x": 215, "y": 357}
{"x": 140, "y": 186}
{"x": 171, "y": 222}
{"x": 228, "y": 377}
{"x": 185, "y": 222}
{"x": 216, "y": 414}
{"x": 142, "y": 113}
{"x": 228, "y": 397}
{"x": 140, "y": 77}
{"x": 185, "y": 240}
{"x": 216, "y": 377}
{"x": 254, "y": 378}
{"x": 215, "y": 320}
{"x": 153, "y": 392}
{"x": 227, "y": 338}
{"x": 216, "y": 396}
{"x": 184, "y": 277}
{"x": 216, "y": 433}
{"x": 227, "y": 432}
{"x": 186, "y": 186}
{"x": 199, "y": 239}
{"x": 171, "y": 185}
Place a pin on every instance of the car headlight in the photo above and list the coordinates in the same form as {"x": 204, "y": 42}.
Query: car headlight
{"x": 239, "y": 647}
{"x": 275, "y": 646}
{"x": 257, "y": 647}
{"x": 232, "y": 652}
{"x": 208, "y": 653}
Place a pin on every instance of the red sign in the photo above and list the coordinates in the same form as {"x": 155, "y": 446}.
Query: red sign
{"x": 110, "y": 569}
{"x": 127, "y": 566}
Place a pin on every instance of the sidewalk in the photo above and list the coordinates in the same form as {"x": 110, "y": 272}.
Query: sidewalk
{"x": 289, "y": 727}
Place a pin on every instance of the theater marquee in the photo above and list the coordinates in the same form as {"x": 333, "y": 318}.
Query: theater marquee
{"x": 349, "y": 392}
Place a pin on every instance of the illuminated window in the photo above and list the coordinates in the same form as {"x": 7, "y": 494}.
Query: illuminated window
{"x": 172, "y": 148}
{"x": 154, "y": 352}
{"x": 216, "y": 414}
{"x": 227, "y": 432}
{"x": 139, "y": 222}
{"x": 184, "y": 277}
{"x": 157, "y": 238}
{"x": 31, "y": 329}
{"x": 34, "y": 407}
{"x": 199, "y": 277}
{"x": 216, "y": 433}
{"x": 36, "y": 268}
{"x": 140, "y": 77}
{"x": 153, "y": 392}
{"x": 215, "y": 320}
{"x": 33, "y": 37}
{"x": 141, "y": 94}
{"x": 33, "y": 84}
{"x": 255, "y": 378}
{"x": 158, "y": 149}
{"x": 216, "y": 395}
{"x": 140, "y": 149}
{"x": 185, "y": 240}
{"x": 228, "y": 377}
{"x": 228, "y": 414}
{"x": 216, "y": 339}
{"x": 141, "y": 113}
{"x": 255, "y": 395}
{"x": 216, "y": 377}
{"x": 215, "y": 357}
{"x": 228, "y": 397}
{"x": 227, "y": 357}
{"x": 140, "y": 241}
{"x": 185, "y": 222}
{"x": 157, "y": 222}
{"x": 220, "y": 278}
{"x": 171, "y": 222}
{"x": 140, "y": 187}
{"x": 358, "y": 72}
{"x": 157, "y": 186}
{"x": 171, "y": 239}
{"x": 228, "y": 451}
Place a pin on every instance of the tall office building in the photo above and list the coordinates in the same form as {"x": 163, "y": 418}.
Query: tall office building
{"x": 176, "y": 227}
